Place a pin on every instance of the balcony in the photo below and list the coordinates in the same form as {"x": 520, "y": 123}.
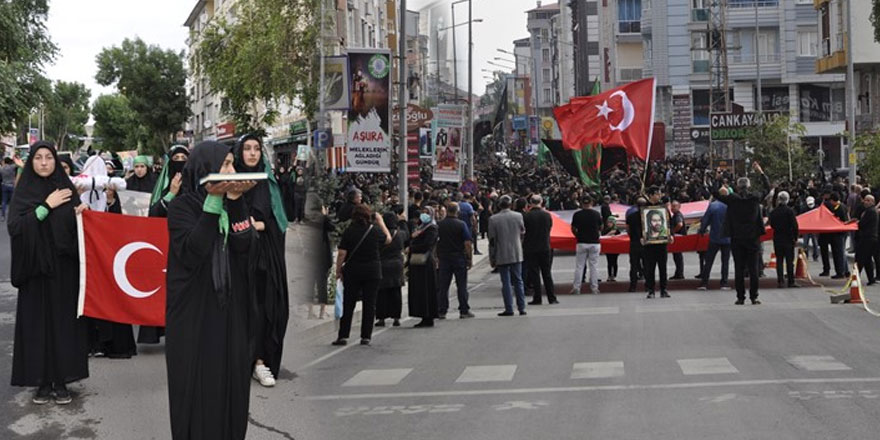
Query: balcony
{"x": 629, "y": 74}
{"x": 629, "y": 27}
{"x": 743, "y": 66}
{"x": 750, "y": 4}
{"x": 833, "y": 55}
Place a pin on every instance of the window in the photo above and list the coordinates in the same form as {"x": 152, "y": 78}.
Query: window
{"x": 768, "y": 45}
{"x": 546, "y": 73}
{"x": 822, "y": 102}
{"x": 699, "y": 53}
{"x": 700, "y": 100}
{"x": 546, "y": 95}
{"x": 699, "y": 10}
{"x": 545, "y": 55}
{"x": 807, "y": 43}
{"x": 545, "y": 34}
{"x": 629, "y": 16}
{"x": 774, "y": 99}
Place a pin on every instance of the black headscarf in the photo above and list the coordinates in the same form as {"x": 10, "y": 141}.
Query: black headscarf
{"x": 175, "y": 167}
{"x": 206, "y": 158}
{"x": 60, "y": 225}
{"x": 258, "y": 198}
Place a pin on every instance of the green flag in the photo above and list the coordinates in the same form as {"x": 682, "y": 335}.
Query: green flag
{"x": 589, "y": 159}
{"x": 542, "y": 154}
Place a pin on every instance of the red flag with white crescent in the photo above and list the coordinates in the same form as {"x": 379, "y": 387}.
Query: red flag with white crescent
{"x": 122, "y": 267}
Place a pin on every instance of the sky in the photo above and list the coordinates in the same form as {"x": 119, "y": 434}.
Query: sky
{"x": 82, "y": 28}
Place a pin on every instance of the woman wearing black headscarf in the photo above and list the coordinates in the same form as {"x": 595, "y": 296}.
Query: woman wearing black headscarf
{"x": 51, "y": 344}
{"x": 388, "y": 299}
{"x": 267, "y": 265}
{"x": 422, "y": 272}
{"x": 207, "y": 312}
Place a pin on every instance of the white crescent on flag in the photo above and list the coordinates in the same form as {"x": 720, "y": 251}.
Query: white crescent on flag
{"x": 119, "y": 273}
{"x": 629, "y": 111}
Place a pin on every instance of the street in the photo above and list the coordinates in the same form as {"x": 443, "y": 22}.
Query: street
{"x": 614, "y": 365}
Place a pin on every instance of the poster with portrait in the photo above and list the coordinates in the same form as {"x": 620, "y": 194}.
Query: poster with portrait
{"x": 369, "y": 136}
{"x": 336, "y": 92}
{"x": 426, "y": 147}
{"x": 655, "y": 224}
{"x": 447, "y": 137}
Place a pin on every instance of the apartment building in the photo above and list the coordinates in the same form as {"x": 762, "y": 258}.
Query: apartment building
{"x": 777, "y": 38}
{"x": 585, "y": 37}
{"x": 620, "y": 42}
{"x": 540, "y": 34}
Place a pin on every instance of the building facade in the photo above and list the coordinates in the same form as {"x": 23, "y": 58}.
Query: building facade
{"x": 621, "y": 55}
{"x": 585, "y": 37}
{"x": 540, "y": 26}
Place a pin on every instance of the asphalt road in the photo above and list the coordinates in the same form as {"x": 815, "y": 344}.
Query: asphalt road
{"x": 614, "y": 365}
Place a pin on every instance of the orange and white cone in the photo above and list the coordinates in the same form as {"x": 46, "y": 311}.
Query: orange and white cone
{"x": 772, "y": 263}
{"x": 800, "y": 270}
{"x": 855, "y": 289}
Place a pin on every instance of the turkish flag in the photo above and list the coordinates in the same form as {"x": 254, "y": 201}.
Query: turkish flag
{"x": 621, "y": 117}
{"x": 122, "y": 267}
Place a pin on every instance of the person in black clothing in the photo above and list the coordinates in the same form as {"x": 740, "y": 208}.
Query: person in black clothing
{"x": 610, "y": 230}
{"x": 536, "y": 249}
{"x": 677, "y": 227}
{"x": 836, "y": 240}
{"x": 636, "y": 252}
{"x": 388, "y": 299}
{"x": 785, "y": 235}
{"x": 656, "y": 255}
{"x": 867, "y": 238}
{"x": 745, "y": 226}
{"x": 359, "y": 266}
{"x": 324, "y": 262}
{"x": 586, "y": 225}
{"x": 454, "y": 254}
{"x": 300, "y": 188}
{"x": 422, "y": 276}
{"x": 355, "y": 197}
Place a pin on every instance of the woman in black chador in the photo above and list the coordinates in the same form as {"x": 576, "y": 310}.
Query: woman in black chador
{"x": 51, "y": 344}
{"x": 267, "y": 266}
{"x": 208, "y": 307}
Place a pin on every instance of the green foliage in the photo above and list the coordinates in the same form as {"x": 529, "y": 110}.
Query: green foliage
{"x": 875, "y": 19}
{"x": 67, "y": 111}
{"x": 116, "y": 124}
{"x": 153, "y": 80}
{"x": 25, "y": 47}
{"x": 493, "y": 91}
{"x": 264, "y": 57}
{"x": 769, "y": 148}
{"x": 869, "y": 146}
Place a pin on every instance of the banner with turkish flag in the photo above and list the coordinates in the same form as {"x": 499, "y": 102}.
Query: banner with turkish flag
{"x": 621, "y": 117}
{"x": 122, "y": 267}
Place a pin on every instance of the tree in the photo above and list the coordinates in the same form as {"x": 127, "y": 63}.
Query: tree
{"x": 494, "y": 90}
{"x": 875, "y": 18}
{"x": 770, "y": 145}
{"x": 67, "y": 111}
{"x": 265, "y": 56}
{"x": 25, "y": 47}
{"x": 869, "y": 144}
{"x": 153, "y": 81}
{"x": 116, "y": 124}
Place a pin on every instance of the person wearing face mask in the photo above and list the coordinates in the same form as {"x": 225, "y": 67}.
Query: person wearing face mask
{"x": 51, "y": 345}
{"x": 268, "y": 268}
{"x": 208, "y": 312}
{"x": 168, "y": 184}
{"x": 422, "y": 274}
{"x": 811, "y": 242}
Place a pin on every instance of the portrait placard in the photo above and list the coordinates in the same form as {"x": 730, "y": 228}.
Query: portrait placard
{"x": 655, "y": 224}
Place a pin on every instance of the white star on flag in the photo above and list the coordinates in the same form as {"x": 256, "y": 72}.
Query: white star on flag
{"x": 604, "y": 110}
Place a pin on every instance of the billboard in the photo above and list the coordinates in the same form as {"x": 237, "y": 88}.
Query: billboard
{"x": 449, "y": 123}
{"x": 369, "y": 117}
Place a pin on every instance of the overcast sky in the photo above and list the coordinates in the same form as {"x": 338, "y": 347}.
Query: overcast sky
{"x": 81, "y": 28}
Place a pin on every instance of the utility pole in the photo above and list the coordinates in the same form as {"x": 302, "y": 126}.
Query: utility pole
{"x": 760, "y": 104}
{"x": 454, "y": 58}
{"x": 401, "y": 103}
{"x": 470, "y": 129}
{"x": 321, "y": 85}
{"x": 851, "y": 85}
{"x": 437, "y": 50}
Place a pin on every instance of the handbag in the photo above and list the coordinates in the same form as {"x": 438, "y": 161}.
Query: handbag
{"x": 338, "y": 302}
{"x": 356, "y": 247}
{"x": 418, "y": 259}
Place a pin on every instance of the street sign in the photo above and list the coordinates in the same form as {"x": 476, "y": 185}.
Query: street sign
{"x": 736, "y": 126}
{"x": 322, "y": 139}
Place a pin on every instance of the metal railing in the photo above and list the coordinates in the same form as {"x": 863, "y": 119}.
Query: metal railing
{"x": 630, "y": 27}
{"x": 628, "y": 74}
{"x": 742, "y": 4}
{"x": 749, "y": 58}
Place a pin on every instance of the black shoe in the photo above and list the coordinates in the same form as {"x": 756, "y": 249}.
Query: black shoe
{"x": 535, "y": 303}
{"x": 365, "y": 341}
{"x": 796, "y": 285}
{"x": 780, "y": 285}
{"x": 740, "y": 302}
{"x": 664, "y": 294}
{"x": 396, "y": 323}
{"x": 339, "y": 341}
{"x": 62, "y": 395}
{"x": 466, "y": 315}
{"x": 424, "y": 324}
{"x": 380, "y": 323}
{"x": 478, "y": 253}
{"x": 870, "y": 283}
{"x": 698, "y": 276}
{"x": 505, "y": 314}
{"x": 554, "y": 301}
{"x": 522, "y": 313}
{"x": 632, "y": 288}
{"x": 441, "y": 316}
{"x": 677, "y": 277}
{"x": 823, "y": 274}
{"x": 43, "y": 394}
{"x": 651, "y": 294}
{"x": 756, "y": 301}
{"x": 838, "y": 277}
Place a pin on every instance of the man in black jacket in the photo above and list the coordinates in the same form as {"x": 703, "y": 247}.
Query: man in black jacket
{"x": 867, "y": 238}
{"x": 785, "y": 235}
{"x": 455, "y": 256}
{"x": 745, "y": 226}
{"x": 536, "y": 247}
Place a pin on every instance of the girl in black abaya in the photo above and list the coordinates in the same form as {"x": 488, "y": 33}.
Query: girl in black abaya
{"x": 208, "y": 305}
{"x": 388, "y": 298}
{"x": 51, "y": 344}
{"x": 267, "y": 264}
{"x": 423, "y": 277}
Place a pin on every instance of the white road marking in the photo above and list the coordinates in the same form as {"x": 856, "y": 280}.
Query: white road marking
{"x": 817, "y": 363}
{"x": 554, "y": 312}
{"x": 487, "y": 373}
{"x": 690, "y": 367}
{"x": 597, "y": 370}
{"x": 582, "y": 389}
{"x": 386, "y": 377}
{"x": 520, "y": 404}
{"x": 719, "y": 399}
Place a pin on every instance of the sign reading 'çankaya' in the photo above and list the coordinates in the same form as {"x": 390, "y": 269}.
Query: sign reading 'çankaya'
{"x": 735, "y": 126}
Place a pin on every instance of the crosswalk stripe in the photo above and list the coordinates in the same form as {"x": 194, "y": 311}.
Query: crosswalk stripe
{"x": 690, "y": 367}
{"x": 487, "y": 373}
{"x": 386, "y": 377}
{"x": 817, "y": 363}
{"x": 597, "y": 370}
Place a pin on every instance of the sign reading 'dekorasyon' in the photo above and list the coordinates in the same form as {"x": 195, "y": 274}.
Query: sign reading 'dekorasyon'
{"x": 736, "y": 126}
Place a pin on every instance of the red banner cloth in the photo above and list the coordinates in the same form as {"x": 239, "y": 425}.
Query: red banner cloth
{"x": 122, "y": 268}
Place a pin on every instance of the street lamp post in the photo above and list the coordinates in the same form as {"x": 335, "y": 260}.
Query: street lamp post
{"x": 402, "y": 175}
{"x": 470, "y": 164}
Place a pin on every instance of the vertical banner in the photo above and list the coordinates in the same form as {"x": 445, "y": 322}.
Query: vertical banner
{"x": 337, "y": 95}
{"x": 449, "y": 121}
{"x": 369, "y": 117}
{"x": 412, "y": 158}
{"x": 426, "y": 147}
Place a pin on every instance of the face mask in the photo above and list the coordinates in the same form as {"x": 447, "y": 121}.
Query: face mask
{"x": 175, "y": 167}
{"x": 425, "y": 218}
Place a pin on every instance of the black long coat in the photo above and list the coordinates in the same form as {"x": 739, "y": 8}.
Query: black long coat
{"x": 423, "y": 279}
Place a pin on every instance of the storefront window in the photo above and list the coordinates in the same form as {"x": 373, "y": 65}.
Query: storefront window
{"x": 774, "y": 99}
{"x": 822, "y": 103}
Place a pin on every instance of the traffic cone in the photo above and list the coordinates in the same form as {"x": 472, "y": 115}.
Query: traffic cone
{"x": 772, "y": 263}
{"x": 800, "y": 270}
{"x": 855, "y": 290}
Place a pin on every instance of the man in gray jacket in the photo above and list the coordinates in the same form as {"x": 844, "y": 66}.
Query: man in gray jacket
{"x": 506, "y": 229}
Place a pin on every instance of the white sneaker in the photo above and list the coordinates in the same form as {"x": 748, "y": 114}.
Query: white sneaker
{"x": 264, "y": 376}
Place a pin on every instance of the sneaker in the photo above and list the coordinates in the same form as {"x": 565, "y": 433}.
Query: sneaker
{"x": 365, "y": 341}
{"x": 505, "y": 314}
{"x": 664, "y": 294}
{"x": 380, "y": 323}
{"x": 725, "y": 287}
{"x": 596, "y": 292}
{"x": 701, "y": 287}
{"x": 43, "y": 394}
{"x": 339, "y": 341}
{"x": 651, "y": 295}
{"x": 522, "y": 313}
{"x": 740, "y": 302}
{"x": 62, "y": 395}
{"x": 756, "y": 301}
{"x": 466, "y": 315}
{"x": 263, "y": 375}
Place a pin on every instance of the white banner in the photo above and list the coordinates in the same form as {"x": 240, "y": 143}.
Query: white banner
{"x": 134, "y": 203}
{"x": 449, "y": 120}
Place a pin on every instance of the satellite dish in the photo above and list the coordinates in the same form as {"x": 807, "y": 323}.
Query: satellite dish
{"x": 207, "y": 124}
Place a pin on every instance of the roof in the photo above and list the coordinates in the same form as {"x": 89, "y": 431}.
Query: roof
{"x": 550, "y": 7}
{"x": 194, "y": 14}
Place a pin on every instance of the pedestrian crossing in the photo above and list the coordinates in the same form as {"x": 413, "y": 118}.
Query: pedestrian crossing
{"x": 721, "y": 367}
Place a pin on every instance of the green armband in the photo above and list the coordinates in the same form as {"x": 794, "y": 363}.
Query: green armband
{"x": 169, "y": 197}
{"x": 42, "y": 212}
{"x": 213, "y": 204}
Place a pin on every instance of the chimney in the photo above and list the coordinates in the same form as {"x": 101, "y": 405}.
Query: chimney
{"x": 539, "y": 4}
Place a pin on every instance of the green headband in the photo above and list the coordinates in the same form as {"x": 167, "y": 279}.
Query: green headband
{"x": 142, "y": 160}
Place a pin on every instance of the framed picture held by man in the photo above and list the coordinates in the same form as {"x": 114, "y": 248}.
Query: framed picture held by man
{"x": 655, "y": 224}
